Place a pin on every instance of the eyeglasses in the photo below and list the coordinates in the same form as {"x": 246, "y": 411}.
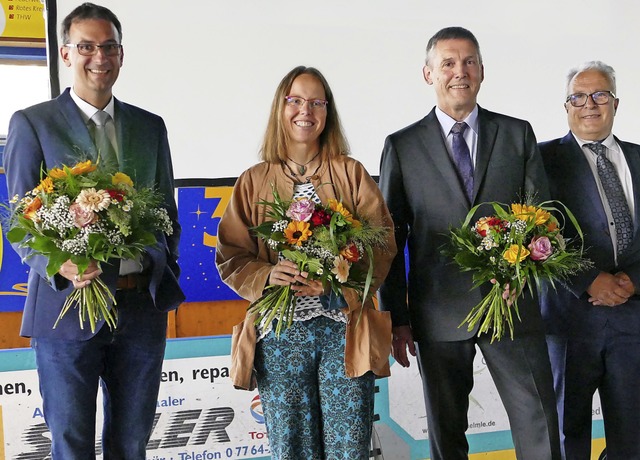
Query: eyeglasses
{"x": 91, "y": 49}
{"x": 599, "y": 98}
{"x": 298, "y": 102}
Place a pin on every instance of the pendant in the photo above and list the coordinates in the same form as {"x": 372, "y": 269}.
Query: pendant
{"x": 302, "y": 169}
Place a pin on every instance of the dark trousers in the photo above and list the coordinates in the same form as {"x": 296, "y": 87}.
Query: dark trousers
{"x": 125, "y": 363}
{"x": 522, "y": 375}
{"x": 608, "y": 361}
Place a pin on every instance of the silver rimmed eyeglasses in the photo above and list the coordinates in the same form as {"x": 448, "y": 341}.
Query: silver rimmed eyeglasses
{"x": 90, "y": 49}
{"x": 298, "y": 102}
{"x": 598, "y": 97}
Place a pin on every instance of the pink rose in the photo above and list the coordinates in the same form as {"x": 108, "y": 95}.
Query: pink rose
{"x": 301, "y": 210}
{"x": 540, "y": 248}
{"x": 82, "y": 217}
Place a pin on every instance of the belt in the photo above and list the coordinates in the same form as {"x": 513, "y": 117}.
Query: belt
{"x": 139, "y": 281}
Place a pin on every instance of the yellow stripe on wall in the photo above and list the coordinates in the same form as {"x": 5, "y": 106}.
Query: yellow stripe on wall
{"x": 597, "y": 446}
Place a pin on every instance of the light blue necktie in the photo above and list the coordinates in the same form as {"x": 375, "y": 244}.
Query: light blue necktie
{"x": 106, "y": 152}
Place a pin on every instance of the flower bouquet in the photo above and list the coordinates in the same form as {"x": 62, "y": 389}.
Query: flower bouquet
{"x": 326, "y": 241}
{"x": 85, "y": 213}
{"x": 517, "y": 246}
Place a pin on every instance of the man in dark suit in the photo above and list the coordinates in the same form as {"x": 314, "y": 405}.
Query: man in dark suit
{"x": 426, "y": 194}
{"x": 593, "y": 323}
{"x": 72, "y": 362}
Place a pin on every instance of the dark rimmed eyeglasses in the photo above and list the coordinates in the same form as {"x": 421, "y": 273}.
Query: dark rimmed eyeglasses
{"x": 298, "y": 102}
{"x": 90, "y": 49}
{"x": 598, "y": 97}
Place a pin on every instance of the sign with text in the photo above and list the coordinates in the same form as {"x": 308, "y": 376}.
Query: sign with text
{"x": 200, "y": 415}
{"x": 22, "y": 19}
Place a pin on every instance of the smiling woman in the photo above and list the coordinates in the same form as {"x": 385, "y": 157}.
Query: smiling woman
{"x": 286, "y": 257}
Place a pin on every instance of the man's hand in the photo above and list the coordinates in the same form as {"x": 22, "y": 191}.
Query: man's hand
{"x": 610, "y": 290}
{"x": 403, "y": 339}
{"x": 70, "y": 271}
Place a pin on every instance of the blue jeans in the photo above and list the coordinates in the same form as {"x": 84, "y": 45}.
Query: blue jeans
{"x": 125, "y": 363}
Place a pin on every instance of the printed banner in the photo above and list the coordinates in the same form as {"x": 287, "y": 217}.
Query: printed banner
{"x": 199, "y": 413}
{"x": 200, "y": 416}
{"x": 22, "y": 19}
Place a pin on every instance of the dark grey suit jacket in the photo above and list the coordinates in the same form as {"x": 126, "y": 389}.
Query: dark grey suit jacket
{"x": 568, "y": 312}
{"x": 419, "y": 182}
{"x": 52, "y": 134}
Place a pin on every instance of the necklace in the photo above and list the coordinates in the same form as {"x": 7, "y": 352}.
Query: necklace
{"x": 303, "y": 167}
{"x": 298, "y": 177}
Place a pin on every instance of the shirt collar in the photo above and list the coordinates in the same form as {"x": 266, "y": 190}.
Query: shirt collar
{"x": 609, "y": 142}
{"x": 447, "y": 122}
{"x": 88, "y": 110}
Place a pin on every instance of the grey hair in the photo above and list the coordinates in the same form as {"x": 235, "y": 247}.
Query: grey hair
{"x": 452, "y": 33}
{"x": 598, "y": 66}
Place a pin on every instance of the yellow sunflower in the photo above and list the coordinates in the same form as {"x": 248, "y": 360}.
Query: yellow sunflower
{"x": 57, "y": 173}
{"x": 45, "y": 185}
{"x": 530, "y": 213}
{"x": 337, "y": 206}
{"x": 297, "y": 232}
{"x": 83, "y": 167}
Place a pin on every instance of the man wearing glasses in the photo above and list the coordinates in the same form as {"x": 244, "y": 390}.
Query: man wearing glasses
{"x": 593, "y": 323}
{"x": 72, "y": 362}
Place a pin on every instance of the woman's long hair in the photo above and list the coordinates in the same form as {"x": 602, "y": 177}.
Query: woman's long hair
{"x": 333, "y": 142}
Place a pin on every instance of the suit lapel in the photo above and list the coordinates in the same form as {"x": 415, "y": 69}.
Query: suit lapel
{"x": 632, "y": 155}
{"x": 488, "y": 131}
{"x": 433, "y": 143}
{"x": 581, "y": 174}
{"x": 77, "y": 128}
{"x": 125, "y": 125}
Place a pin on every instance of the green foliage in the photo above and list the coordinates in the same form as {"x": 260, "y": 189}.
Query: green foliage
{"x": 518, "y": 246}
{"x": 87, "y": 213}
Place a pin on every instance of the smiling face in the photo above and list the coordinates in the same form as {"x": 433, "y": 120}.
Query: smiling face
{"x": 455, "y": 71}
{"x": 591, "y": 122}
{"x": 304, "y": 124}
{"x": 93, "y": 76}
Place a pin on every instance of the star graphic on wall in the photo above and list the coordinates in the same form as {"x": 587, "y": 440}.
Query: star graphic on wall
{"x": 197, "y": 212}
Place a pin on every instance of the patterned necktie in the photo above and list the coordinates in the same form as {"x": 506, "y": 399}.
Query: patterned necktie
{"x": 615, "y": 195}
{"x": 462, "y": 158}
{"x": 106, "y": 152}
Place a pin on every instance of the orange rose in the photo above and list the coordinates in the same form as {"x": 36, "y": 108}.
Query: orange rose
{"x": 350, "y": 253}
{"x": 30, "y": 210}
{"x": 484, "y": 224}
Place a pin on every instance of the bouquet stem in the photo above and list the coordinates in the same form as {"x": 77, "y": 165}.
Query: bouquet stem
{"x": 277, "y": 303}
{"x": 92, "y": 302}
{"x": 494, "y": 313}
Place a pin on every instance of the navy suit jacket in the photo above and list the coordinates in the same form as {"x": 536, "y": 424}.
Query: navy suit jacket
{"x": 568, "y": 312}
{"x": 52, "y": 134}
{"x": 419, "y": 182}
